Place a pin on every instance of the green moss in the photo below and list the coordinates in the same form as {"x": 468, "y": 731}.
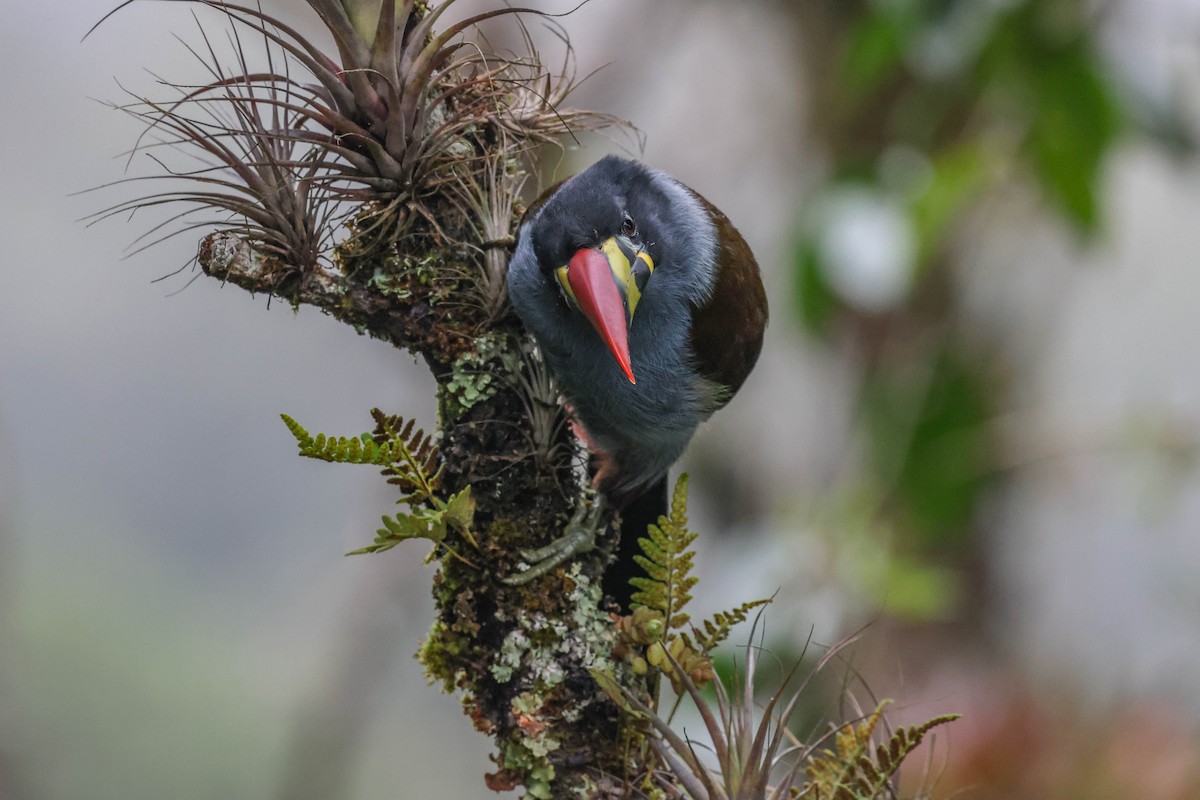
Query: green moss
{"x": 391, "y": 284}
{"x": 586, "y": 788}
{"x": 538, "y": 772}
{"x": 442, "y": 655}
{"x": 479, "y": 373}
{"x": 398, "y": 276}
{"x": 538, "y": 783}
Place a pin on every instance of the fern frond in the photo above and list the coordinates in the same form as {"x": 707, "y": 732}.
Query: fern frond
{"x": 675, "y": 658}
{"x": 430, "y": 522}
{"x": 339, "y": 449}
{"x": 397, "y": 529}
{"x": 849, "y": 770}
{"x": 707, "y": 635}
{"x": 410, "y": 460}
{"x": 834, "y": 773}
{"x": 889, "y": 756}
{"x": 667, "y": 562}
{"x": 415, "y": 466}
{"x": 348, "y": 450}
{"x": 298, "y": 430}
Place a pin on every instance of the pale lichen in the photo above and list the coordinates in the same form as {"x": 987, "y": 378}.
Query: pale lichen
{"x": 512, "y": 652}
{"x": 537, "y": 654}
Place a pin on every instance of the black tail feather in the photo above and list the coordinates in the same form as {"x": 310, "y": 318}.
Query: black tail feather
{"x": 636, "y": 515}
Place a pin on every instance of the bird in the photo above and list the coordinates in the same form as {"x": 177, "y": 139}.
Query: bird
{"x": 648, "y": 307}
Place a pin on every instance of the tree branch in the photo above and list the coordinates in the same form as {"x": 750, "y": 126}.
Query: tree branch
{"x": 232, "y": 259}
{"x": 417, "y": 176}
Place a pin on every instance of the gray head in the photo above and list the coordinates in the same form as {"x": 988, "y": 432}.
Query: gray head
{"x": 641, "y": 231}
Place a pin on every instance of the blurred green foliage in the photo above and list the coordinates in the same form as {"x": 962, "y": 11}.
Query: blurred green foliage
{"x": 815, "y": 300}
{"x": 938, "y": 75}
{"x": 1042, "y": 71}
{"x": 925, "y": 108}
{"x": 928, "y": 440}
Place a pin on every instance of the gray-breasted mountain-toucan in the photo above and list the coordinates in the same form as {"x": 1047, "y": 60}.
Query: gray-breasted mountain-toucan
{"x": 648, "y": 307}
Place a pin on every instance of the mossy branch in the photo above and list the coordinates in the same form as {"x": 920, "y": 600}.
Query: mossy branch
{"x": 380, "y": 180}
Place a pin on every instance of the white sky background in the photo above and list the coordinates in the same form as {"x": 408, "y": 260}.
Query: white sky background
{"x": 171, "y": 575}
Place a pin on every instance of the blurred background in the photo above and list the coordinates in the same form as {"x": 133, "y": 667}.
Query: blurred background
{"x": 974, "y": 427}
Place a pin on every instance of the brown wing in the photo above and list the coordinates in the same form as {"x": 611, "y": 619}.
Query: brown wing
{"x": 727, "y": 331}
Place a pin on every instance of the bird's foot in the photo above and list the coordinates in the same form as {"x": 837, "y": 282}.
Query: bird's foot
{"x": 579, "y": 537}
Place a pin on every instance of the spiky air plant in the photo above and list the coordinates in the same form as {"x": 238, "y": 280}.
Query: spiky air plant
{"x": 406, "y": 125}
{"x": 749, "y": 748}
{"x": 750, "y": 752}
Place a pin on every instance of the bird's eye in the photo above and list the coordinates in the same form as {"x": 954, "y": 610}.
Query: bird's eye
{"x": 628, "y": 228}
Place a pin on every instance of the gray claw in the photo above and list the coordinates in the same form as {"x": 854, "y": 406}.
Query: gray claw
{"x": 579, "y": 537}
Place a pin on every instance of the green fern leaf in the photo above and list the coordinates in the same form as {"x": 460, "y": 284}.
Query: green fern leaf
{"x": 706, "y": 636}
{"x": 298, "y": 431}
{"x": 413, "y": 465}
{"x": 339, "y": 449}
{"x": 834, "y": 773}
{"x": 411, "y": 461}
{"x": 460, "y": 514}
{"x": 668, "y": 563}
{"x": 848, "y": 770}
{"x": 397, "y": 529}
{"x": 889, "y": 756}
